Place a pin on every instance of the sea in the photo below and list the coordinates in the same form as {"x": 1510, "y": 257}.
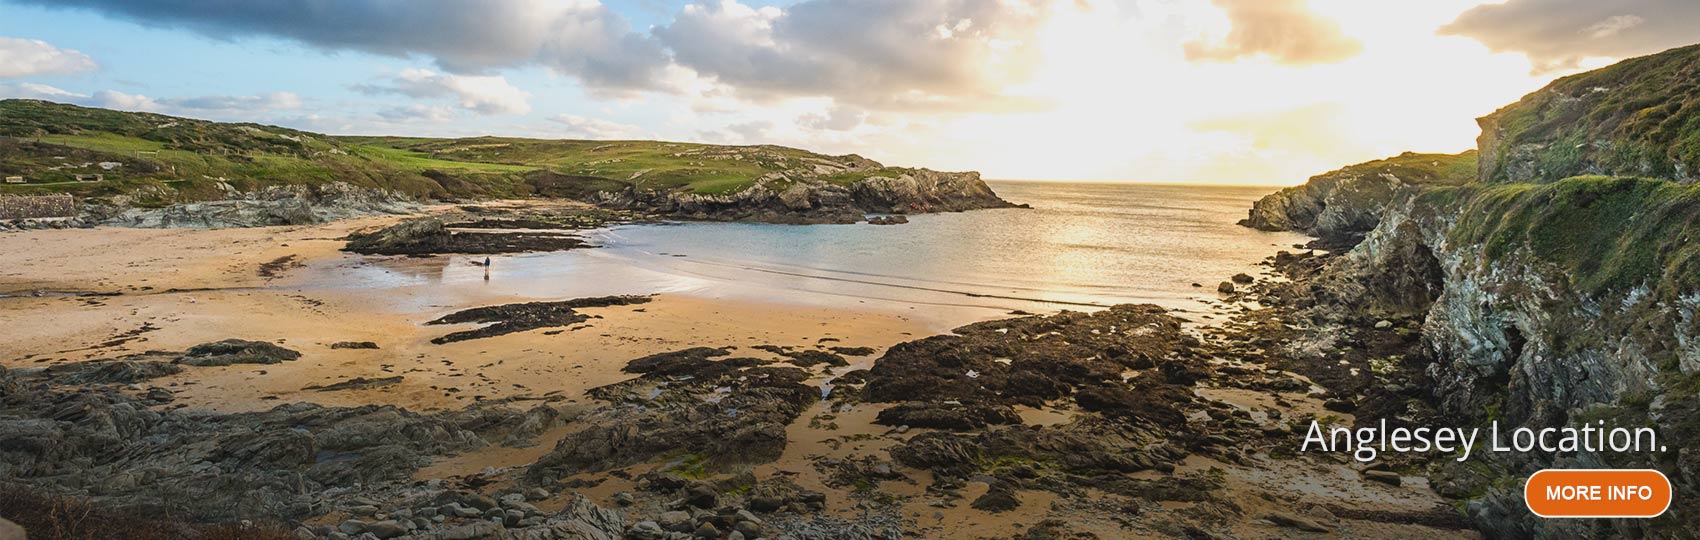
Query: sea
{"x": 1080, "y": 246}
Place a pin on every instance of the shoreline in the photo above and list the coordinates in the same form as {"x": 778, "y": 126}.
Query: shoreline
{"x": 195, "y": 287}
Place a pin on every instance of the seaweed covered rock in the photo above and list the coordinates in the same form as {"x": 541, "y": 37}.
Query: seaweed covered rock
{"x": 236, "y": 351}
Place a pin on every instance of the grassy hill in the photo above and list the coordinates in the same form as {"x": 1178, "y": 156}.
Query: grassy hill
{"x": 50, "y": 144}
{"x": 1638, "y": 117}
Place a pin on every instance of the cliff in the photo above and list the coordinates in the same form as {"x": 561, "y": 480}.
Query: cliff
{"x": 1544, "y": 297}
{"x": 804, "y": 198}
{"x": 150, "y": 161}
{"x": 1341, "y": 206}
{"x": 1639, "y": 117}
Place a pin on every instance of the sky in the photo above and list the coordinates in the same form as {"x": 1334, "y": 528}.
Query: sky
{"x": 1263, "y": 92}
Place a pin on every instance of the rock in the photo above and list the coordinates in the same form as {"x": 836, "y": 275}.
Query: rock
{"x": 766, "y": 504}
{"x": 467, "y": 531}
{"x": 537, "y": 494}
{"x": 677, "y": 521}
{"x": 749, "y": 528}
{"x": 745, "y": 515}
{"x": 646, "y": 530}
{"x": 386, "y": 529}
{"x": 479, "y": 501}
{"x": 1000, "y": 498}
{"x": 431, "y": 235}
{"x": 511, "y": 518}
{"x": 1385, "y": 477}
{"x": 1297, "y": 522}
{"x": 1339, "y": 405}
{"x": 236, "y": 351}
{"x": 362, "y": 510}
{"x": 357, "y": 383}
{"x": 624, "y": 499}
{"x": 1383, "y": 324}
{"x": 354, "y": 345}
{"x": 1242, "y": 279}
{"x": 1225, "y": 288}
{"x": 11, "y": 531}
{"x": 511, "y": 318}
{"x": 707, "y": 531}
{"x": 160, "y": 395}
{"x": 128, "y": 369}
{"x": 352, "y": 526}
{"x": 701, "y": 496}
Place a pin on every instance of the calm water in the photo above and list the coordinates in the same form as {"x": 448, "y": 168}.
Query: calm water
{"x": 1080, "y": 245}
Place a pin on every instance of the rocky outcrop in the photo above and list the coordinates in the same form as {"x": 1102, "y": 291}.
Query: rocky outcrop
{"x": 802, "y": 196}
{"x": 268, "y": 206}
{"x": 293, "y": 461}
{"x": 1542, "y": 307}
{"x": 1341, "y": 206}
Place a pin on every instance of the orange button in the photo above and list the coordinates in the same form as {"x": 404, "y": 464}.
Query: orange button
{"x": 1597, "y": 493}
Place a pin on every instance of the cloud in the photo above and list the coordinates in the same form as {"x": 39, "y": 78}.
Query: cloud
{"x": 234, "y": 107}
{"x": 235, "y": 104}
{"x": 579, "y": 127}
{"x": 838, "y": 118}
{"x": 26, "y": 57}
{"x": 37, "y": 91}
{"x": 1558, "y": 34}
{"x": 113, "y": 99}
{"x": 418, "y": 112}
{"x": 484, "y": 94}
{"x": 877, "y": 53}
{"x": 1286, "y": 31}
{"x": 580, "y": 38}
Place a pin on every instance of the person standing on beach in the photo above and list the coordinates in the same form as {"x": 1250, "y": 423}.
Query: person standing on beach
{"x": 486, "y": 268}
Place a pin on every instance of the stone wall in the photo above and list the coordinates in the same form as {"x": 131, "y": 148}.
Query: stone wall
{"x": 37, "y": 206}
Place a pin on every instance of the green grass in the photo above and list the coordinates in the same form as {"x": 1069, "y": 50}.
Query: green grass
{"x": 1418, "y": 169}
{"x": 1638, "y": 117}
{"x": 1608, "y": 234}
{"x": 47, "y": 143}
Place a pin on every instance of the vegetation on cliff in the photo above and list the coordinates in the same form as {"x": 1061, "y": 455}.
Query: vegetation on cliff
{"x": 158, "y": 160}
{"x": 1639, "y": 117}
{"x": 1607, "y": 234}
{"x": 1340, "y": 206}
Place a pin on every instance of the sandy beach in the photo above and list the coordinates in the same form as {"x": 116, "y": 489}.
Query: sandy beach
{"x": 115, "y": 291}
{"x": 92, "y": 294}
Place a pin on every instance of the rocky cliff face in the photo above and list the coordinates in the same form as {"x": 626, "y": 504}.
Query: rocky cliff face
{"x": 1343, "y": 205}
{"x": 273, "y": 205}
{"x": 1545, "y": 299}
{"x": 804, "y": 197}
{"x": 1547, "y": 308}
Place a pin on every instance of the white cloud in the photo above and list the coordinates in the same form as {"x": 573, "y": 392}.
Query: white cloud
{"x": 1286, "y": 31}
{"x": 484, "y": 94}
{"x": 579, "y": 127}
{"x": 578, "y": 38}
{"x": 27, "y": 57}
{"x": 937, "y": 54}
{"x": 249, "y": 105}
{"x": 1558, "y": 35}
{"x": 38, "y": 91}
{"x": 418, "y": 112}
{"x": 112, "y": 99}
{"x": 838, "y": 118}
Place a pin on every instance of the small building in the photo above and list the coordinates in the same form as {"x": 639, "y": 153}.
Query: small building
{"x": 14, "y": 179}
{"x": 90, "y": 177}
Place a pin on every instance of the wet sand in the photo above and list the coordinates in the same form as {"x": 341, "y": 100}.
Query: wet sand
{"x": 75, "y": 295}
{"x": 173, "y": 289}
